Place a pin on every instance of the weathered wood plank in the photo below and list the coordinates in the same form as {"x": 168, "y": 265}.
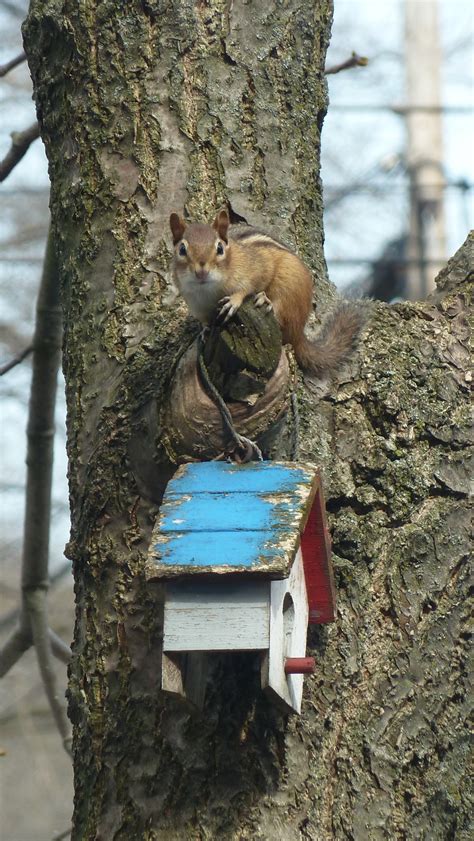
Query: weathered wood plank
{"x": 185, "y": 675}
{"x": 178, "y": 553}
{"x": 222, "y": 517}
{"x": 316, "y": 548}
{"x": 171, "y": 675}
{"x": 288, "y": 628}
{"x": 229, "y": 511}
{"x": 256, "y": 477}
{"x": 217, "y": 616}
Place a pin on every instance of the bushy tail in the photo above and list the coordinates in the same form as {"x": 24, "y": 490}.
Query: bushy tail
{"x": 335, "y": 344}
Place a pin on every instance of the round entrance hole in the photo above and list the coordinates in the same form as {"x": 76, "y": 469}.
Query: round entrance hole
{"x": 288, "y": 623}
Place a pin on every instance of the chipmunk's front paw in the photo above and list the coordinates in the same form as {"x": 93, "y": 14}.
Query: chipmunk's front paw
{"x": 261, "y": 299}
{"x": 228, "y": 306}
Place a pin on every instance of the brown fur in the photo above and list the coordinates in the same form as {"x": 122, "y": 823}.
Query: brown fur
{"x": 245, "y": 232}
{"x": 335, "y": 343}
{"x": 254, "y": 262}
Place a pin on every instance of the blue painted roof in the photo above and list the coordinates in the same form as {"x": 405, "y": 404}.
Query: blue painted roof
{"x": 218, "y": 517}
{"x": 222, "y": 476}
{"x": 219, "y": 548}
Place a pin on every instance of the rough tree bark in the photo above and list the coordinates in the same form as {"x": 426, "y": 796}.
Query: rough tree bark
{"x": 147, "y": 107}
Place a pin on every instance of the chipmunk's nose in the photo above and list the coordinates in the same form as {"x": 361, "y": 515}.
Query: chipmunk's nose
{"x": 201, "y": 271}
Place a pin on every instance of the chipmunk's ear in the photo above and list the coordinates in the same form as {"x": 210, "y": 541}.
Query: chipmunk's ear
{"x": 221, "y": 223}
{"x": 178, "y": 227}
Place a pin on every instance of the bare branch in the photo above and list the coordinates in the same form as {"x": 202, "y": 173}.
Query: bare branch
{"x": 16, "y": 360}
{"x": 21, "y": 142}
{"x": 35, "y": 603}
{"x": 59, "y": 648}
{"x": 14, "y": 9}
{"x": 21, "y": 639}
{"x": 39, "y": 458}
{"x": 14, "y": 62}
{"x": 17, "y": 643}
{"x": 33, "y": 625}
{"x": 40, "y": 430}
{"x": 10, "y": 618}
{"x": 59, "y": 836}
{"x": 354, "y": 61}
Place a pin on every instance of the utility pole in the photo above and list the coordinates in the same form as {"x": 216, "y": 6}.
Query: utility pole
{"x": 427, "y": 238}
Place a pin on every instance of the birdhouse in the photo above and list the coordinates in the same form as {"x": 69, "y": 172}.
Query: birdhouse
{"x": 243, "y": 553}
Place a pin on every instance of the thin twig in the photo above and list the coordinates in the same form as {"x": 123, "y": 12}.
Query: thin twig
{"x": 17, "y": 643}
{"x": 21, "y": 142}
{"x": 59, "y": 836}
{"x": 14, "y": 62}
{"x": 14, "y": 9}
{"x": 244, "y": 448}
{"x": 10, "y": 618}
{"x": 295, "y": 428}
{"x": 20, "y": 641}
{"x": 59, "y": 648}
{"x": 35, "y": 603}
{"x": 354, "y": 61}
{"x": 16, "y": 360}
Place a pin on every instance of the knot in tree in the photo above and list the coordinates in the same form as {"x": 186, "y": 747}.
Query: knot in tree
{"x": 245, "y": 365}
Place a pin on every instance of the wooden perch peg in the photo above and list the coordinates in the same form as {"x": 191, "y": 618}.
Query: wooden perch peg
{"x": 300, "y": 666}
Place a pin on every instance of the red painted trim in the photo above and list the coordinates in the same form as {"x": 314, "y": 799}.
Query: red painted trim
{"x": 300, "y": 666}
{"x": 316, "y": 549}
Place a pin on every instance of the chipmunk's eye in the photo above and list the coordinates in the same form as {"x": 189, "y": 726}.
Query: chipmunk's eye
{"x": 220, "y": 248}
{"x": 182, "y": 250}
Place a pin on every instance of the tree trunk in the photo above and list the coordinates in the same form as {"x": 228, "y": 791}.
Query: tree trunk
{"x": 146, "y": 108}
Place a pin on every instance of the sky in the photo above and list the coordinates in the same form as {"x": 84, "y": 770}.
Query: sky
{"x": 358, "y": 145}
{"x": 357, "y": 150}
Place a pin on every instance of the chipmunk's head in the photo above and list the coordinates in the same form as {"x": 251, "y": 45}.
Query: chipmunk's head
{"x": 200, "y": 250}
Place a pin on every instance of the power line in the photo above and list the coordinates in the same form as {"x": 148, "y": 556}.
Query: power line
{"x": 21, "y": 259}
{"x": 386, "y": 261}
{"x": 24, "y": 191}
{"x": 402, "y": 109}
{"x": 389, "y": 186}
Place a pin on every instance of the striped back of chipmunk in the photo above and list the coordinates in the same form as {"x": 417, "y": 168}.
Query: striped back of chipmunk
{"x": 247, "y": 235}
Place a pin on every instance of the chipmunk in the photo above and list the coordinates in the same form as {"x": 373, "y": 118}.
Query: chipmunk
{"x": 217, "y": 268}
